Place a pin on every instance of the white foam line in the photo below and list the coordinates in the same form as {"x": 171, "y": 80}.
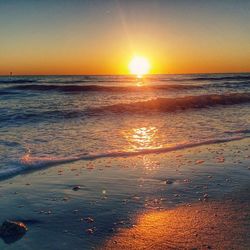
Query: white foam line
{"x": 34, "y": 163}
{"x": 39, "y": 162}
{"x": 164, "y": 150}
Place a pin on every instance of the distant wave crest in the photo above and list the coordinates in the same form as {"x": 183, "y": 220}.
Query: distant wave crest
{"x": 16, "y": 81}
{"x": 216, "y": 78}
{"x": 83, "y": 88}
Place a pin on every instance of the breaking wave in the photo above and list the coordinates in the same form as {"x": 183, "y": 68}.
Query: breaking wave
{"x": 174, "y": 104}
{"x": 145, "y": 107}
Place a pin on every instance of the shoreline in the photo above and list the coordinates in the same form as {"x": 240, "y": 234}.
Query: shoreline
{"x": 118, "y": 193}
{"x": 32, "y": 164}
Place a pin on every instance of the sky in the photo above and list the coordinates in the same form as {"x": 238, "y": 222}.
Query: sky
{"x": 101, "y": 36}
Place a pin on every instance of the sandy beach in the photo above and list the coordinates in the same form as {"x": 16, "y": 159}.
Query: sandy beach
{"x": 195, "y": 198}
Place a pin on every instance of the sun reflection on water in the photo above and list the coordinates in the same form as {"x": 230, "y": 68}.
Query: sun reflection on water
{"x": 140, "y": 81}
{"x": 142, "y": 138}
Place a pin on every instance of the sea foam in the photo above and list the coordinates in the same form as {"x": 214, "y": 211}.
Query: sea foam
{"x": 29, "y": 163}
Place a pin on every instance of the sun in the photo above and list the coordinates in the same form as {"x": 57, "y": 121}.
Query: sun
{"x": 139, "y": 66}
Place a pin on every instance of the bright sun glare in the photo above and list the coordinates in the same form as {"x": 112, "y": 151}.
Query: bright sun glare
{"x": 139, "y": 66}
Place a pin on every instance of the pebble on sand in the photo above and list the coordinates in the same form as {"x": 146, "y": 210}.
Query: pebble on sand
{"x": 89, "y": 220}
{"x": 89, "y": 231}
{"x": 11, "y": 231}
{"x": 199, "y": 161}
{"x": 76, "y": 188}
{"x": 169, "y": 182}
{"x": 205, "y": 196}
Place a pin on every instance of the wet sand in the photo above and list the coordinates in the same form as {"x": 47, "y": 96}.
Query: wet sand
{"x": 207, "y": 225}
{"x": 195, "y": 198}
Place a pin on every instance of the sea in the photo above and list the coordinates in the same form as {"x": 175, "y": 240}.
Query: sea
{"x": 50, "y": 120}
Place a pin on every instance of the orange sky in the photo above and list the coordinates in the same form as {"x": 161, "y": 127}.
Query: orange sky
{"x": 101, "y": 37}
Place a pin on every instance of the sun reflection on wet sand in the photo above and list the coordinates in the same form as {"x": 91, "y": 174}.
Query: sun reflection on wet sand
{"x": 149, "y": 164}
{"x": 209, "y": 225}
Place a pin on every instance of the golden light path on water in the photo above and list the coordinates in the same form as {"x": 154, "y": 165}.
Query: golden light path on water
{"x": 142, "y": 138}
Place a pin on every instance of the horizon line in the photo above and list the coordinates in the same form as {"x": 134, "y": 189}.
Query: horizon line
{"x": 196, "y": 73}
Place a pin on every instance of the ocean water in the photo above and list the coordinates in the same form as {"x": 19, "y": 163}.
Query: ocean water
{"x": 50, "y": 120}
